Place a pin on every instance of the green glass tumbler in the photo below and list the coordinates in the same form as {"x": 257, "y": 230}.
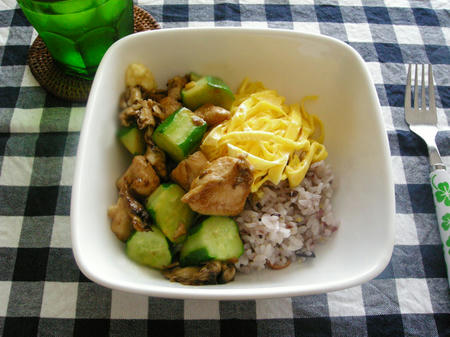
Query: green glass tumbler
{"x": 77, "y": 33}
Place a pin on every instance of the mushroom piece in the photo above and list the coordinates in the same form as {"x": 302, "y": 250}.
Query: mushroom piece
{"x": 155, "y": 94}
{"x": 126, "y": 214}
{"x": 228, "y": 273}
{"x": 171, "y": 102}
{"x": 175, "y": 85}
{"x": 140, "y": 219}
{"x": 156, "y": 157}
{"x": 212, "y": 272}
{"x": 141, "y": 112}
{"x": 130, "y": 96}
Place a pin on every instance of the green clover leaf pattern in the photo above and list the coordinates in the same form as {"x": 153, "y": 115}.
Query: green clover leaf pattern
{"x": 446, "y": 221}
{"x": 443, "y": 193}
{"x": 448, "y": 244}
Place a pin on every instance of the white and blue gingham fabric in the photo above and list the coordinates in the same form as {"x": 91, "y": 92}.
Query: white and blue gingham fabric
{"x": 43, "y": 293}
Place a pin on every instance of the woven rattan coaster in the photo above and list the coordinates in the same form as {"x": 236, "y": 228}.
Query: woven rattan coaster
{"x": 52, "y": 77}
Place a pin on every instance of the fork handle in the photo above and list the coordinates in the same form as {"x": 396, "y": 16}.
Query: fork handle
{"x": 440, "y": 184}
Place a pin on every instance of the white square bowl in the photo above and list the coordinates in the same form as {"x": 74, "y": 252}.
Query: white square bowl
{"x": 295, "y": 64}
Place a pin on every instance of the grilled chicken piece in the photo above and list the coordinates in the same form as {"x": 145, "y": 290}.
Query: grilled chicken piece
{"x": 140, "y": 179}
{"x": 174, "y": 87}
{"x": 212, "y": 272}
{"x": 156, "y": 157}
{"x": 212, "y": 114}
{"x": 120, "y": 219}
{"x": 189, "y": 169}
{"x": 222, "y": 188}
{"x": 139, "y": 75}
{"x": 168, "y": 106}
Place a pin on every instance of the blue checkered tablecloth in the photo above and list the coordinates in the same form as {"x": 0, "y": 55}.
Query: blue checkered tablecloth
{"x": 42, "y": 292}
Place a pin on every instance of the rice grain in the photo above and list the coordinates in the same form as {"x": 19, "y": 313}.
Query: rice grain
{"x": 285, "y": 224}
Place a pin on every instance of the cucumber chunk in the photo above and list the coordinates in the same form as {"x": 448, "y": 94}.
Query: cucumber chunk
{"x": 170, "y": 214}
{"x": 207, "y": 89}
{"x": 149, "y": 248}
{"x": 132, "y": 138}
{"x": 216, "y": 238}
{"x": 180, "y": 134}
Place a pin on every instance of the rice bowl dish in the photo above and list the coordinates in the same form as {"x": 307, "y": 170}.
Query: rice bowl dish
{"x": 355, "y": 139}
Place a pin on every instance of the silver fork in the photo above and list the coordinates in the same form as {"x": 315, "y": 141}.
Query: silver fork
{"x": 422, "y": 121}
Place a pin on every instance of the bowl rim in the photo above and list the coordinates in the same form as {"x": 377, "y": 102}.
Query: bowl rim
{"x": 203, "y": 292}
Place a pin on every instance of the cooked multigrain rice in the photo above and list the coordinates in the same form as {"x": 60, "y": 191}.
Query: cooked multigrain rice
{"x": 284, "y": 224}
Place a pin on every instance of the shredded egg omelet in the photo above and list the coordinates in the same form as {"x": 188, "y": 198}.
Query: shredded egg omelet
{"x": 280, "y": 141}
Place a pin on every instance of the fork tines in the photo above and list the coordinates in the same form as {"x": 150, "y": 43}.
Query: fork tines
{"x": 423, "y": 105}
